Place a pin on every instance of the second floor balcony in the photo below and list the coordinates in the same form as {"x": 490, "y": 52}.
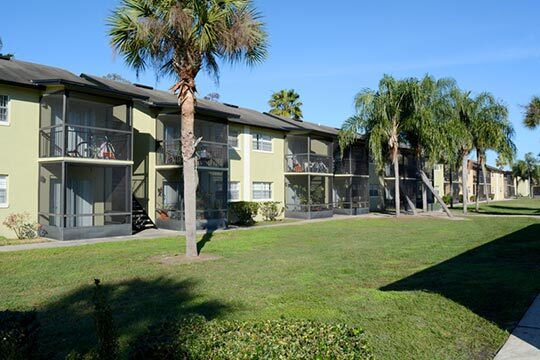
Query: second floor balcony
{"x": 208, "y": 154}
{"x": 81, "y": 126}
{"x": 309, "y": 163}
{"x": 308, "y": 154}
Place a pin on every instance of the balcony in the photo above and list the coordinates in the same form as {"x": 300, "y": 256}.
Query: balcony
{"x": 309, "y": 163}
{"x": 82, "y": 126}
{"x": 209, "y": 154}
{"x": 85, "y": 142}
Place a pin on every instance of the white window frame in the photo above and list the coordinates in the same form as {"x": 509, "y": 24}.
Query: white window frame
{"x": 8, "y": 111}
{"x": 237, "y": 191}
{"x": 257, "y": 140}
{"x": 271, "y": 190}
{"x": 6, "y": 204}
{"x": 237, "y": 132}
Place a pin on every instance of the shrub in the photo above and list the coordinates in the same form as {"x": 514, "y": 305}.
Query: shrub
{"x": 491, "y": 196}
{"x": 22, "y": 226}
{"x": 243, "y": 212}
{"x": 461, "y": 199}
{"x": 270, "y": 210}
{"x": 18, "y": 335}
{"x": 447, "y": 199}
{"x": 195, "y": 338}
{"x": 473, "y": 198}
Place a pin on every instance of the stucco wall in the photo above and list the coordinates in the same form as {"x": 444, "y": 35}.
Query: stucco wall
{"x": 19, "y": 153}
{"x": 248, "y": 165}
{"x": 144, "y": 158}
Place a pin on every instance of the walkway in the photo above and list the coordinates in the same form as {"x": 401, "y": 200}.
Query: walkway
{"x": 524, "y": 342}
{"x": 158, "y": 233}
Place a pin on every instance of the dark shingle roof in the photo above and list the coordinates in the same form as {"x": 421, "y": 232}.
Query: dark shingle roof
{"x": 30, "y": 74}
{"x": 26, "y": 73}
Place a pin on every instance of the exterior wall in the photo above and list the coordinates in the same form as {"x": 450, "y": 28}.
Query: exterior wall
{"x": 144, "y": 159}
{"x": 19, "y": 153}
{"x": 522, "y": 187}
{"x": 248, "y": 166}
{"x": 438, "y": 179}
{"x": 497, "y": 185}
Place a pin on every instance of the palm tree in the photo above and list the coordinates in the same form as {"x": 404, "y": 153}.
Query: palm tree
{"x": 532, "y": 113}
{"x": 425, "y": 130}
{"x": 181, "y": 38}
{"x": 532, "y": 167}
{"x": 520, "y": 170}
{"x": 286, "y": 103}
{"x": 380, "y": 115}
{"x": 490, "y": 130}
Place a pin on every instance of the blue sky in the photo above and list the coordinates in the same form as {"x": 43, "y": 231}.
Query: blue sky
{"x": 326, "y": 53}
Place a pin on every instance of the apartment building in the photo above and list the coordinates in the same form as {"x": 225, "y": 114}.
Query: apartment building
{"x": 90, "y": 157}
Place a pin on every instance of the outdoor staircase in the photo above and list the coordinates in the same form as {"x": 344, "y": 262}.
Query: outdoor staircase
{"x": 140, "y": 219}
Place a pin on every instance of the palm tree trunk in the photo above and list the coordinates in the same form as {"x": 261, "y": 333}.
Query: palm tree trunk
{"x": 477, "y": 206}
{"x": 484, "y": 172}
{"x": 187, "y": 105}
{"x": 424, "y": 191}
{"x": 427, "y": 183}
{"x": 451, "y": 189}
{"x": 397, "y": 200}
{"x": 464, "y": 181}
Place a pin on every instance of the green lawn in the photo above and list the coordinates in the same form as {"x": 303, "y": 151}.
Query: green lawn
{"x": 521, "y": 206}
{"x": 421, "y": 288}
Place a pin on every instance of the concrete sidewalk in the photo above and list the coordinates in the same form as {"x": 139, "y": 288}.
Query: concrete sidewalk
{"x": 524, "y": 342}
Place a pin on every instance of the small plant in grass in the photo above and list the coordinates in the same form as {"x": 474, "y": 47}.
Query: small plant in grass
{"x": 270, "y": 210}
{"x": 18, "y": 335}
{"x": 21, "y": 225}
{"x": 473, "y": 198}
{"x": 243, "y": 212}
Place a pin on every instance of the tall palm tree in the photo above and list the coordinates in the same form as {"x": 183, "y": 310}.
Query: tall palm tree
{"x": 286, "y": 103}
{"x": 181, "y": 38}
{"x": 490, "y": 130}
{"x": 425, "y": 131}
{"x": 520, "y": 171}
{"x": 532, "y": 113}
{"x": 380, "y": 115}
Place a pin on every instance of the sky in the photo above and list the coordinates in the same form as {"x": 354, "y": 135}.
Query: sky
{"x": 326, "y": 51}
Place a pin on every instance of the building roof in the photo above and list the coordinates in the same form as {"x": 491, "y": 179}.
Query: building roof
{"x": 24, "y": 73}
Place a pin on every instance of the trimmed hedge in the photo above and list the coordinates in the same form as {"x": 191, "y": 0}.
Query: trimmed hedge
{"x": 195, "y": 338}
{"x": 243, "y": 212}
{"x": 18, "y": 335}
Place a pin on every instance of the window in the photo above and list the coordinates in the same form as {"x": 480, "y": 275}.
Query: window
{"x": 262, "y": 191}
{"x": 3, "y": 191}
{"x": 233, "y": 138}
{"x": 4, "y": 101}
{"x": 234, "y": 190}
{"x": 262, "y": 142}
{"x": 373, "y": 190}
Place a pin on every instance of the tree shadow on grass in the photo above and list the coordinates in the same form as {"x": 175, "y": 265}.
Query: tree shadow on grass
{"x": 67, "y": 324}
{"x": 206, "y": 238}
{"x": 509, "y": 210}
{"x": 498, "y": 280}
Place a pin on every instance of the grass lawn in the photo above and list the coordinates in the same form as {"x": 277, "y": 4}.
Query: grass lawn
{"x": 521, "y": 206}
{"x": 421, "y": 288}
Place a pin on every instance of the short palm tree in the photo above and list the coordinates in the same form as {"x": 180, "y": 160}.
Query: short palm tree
{"x": 532, "y": 113}
{"x": 181, "y": 38}
{"x": 286, "y": 103}
{"x": 380, "y": 115}
{"x": 532, "y": 170}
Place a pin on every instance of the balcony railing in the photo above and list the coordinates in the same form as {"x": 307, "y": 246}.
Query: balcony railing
{"x": 408, "y": 171}
{"x": 209, "y": 154}
{"x": 309, "y": 163}
{"x": 85, "y": 143}
{"x": 351, "y": 167}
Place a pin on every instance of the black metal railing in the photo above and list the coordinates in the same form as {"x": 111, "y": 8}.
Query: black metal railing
{"x": 85, "y": 142}
{"x": 209, "y": 154}
{"x": 351, "y": 167}
{"x": 309, "y": 163}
